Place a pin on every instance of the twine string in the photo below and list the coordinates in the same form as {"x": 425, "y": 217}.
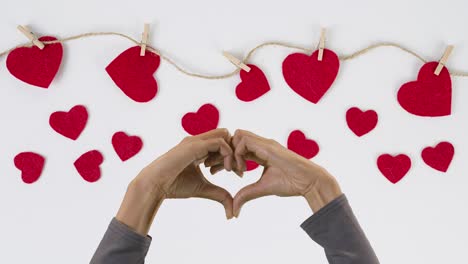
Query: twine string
{"x": 249, "y": 55}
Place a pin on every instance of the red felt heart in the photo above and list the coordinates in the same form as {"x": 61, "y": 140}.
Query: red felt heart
{"x": 429, "y": 95}
{"x": 394, "y": 168}
{"x": 361, "y": 122}
{"x": 35, "y": 66}
{"x": 309, "y": 77}
{"x": 253, "y": 85}
{"x": 69, "y": 124}
{"x": 439, "y": 157}
{"x": 298, "y": 143}
{"x": 205, "y": 119}
{"x": 88, "y": 164}
{"x": 30, "y": 164}
{"x": 133, "y": 74}
{"x": 126, "y": 146}
{"x": 251, "y": 165}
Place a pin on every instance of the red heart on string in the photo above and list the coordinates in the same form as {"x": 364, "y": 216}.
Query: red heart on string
{"x": 394, "y": 168}
{"x": 126, "y": 146}
{"x": 205, "y": 119}
{"x": 30, "y": 164}
{"x": 429, "y": 95}
{"x": 253, "y": 85}
{"x": 251, "y": 165}
{"x": 35, "y": 66}
{"x": 361, "y": 122}
{"x": 309, "y": 77}
{"x": 298, "y": 143}
{"x": 88, "y": 164}
{"x": 439, "y": 157}
{"x": 133, "y": 74}
{"x": 69, "y": 124}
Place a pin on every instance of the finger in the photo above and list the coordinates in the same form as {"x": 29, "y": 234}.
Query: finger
{"x": 258, "y": 146}
{"x": 217, "y": 168}
{"x": 216, "y": 133}
{"x": 239, "y": 152}
{"x": 248, "y": 193}
{"x": 253, "y": 157}
{"x": 218, "y": 165}
{"x": 213, "y": 159}
{"x": 240, "y": 133}
{"x": 221, "y": 146}
{"x": 199, "y": 150}
{"x": 216, "y": 193}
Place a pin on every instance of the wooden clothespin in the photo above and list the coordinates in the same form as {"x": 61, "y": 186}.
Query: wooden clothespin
{"x": 443, "y": 60}
{"x": 31, "y": 36}
{"x": 144, "y": 39}
{"x": 236, "y": 61}
{"x": 321, "y": 44}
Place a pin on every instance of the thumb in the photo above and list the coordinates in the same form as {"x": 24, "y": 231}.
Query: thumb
{"x": 216, "y": 193}
{"x": 249, "y": 192}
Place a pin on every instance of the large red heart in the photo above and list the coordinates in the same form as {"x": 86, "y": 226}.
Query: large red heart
{"x": 298, "y": 143}
{"x": 69, "y": 124}
{"x": 126, "y": 146}
{"x": 309, "y": 77}
{"x": 253, "y": 85}
{"x": 205, "y": 119}
{"x": 88, "y": 164}
{"x": 429, "y": 95}
{"x": 394, "y": 168}
{"x": 361, "y": 122}
{"x": 439, "y": 157}
{"x": 30, "y": 164}
{"x": 35, "y": 66}
{"x": 133, "y": 74}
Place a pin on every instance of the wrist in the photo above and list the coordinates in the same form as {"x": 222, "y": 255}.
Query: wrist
{"x": 324, "y": 190}
{"x": 140, "y": 205}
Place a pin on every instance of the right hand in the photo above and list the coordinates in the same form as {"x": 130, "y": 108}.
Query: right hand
{"x": 285, "y": 173}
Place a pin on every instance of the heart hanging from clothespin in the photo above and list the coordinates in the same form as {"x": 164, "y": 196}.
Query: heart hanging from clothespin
{"x": 36, "y": 65}
{"x": 430, "y": 95}
{"x": 253, "y": 81}
{"x": 144, "y": 39}
{"x": 310, "y": 76}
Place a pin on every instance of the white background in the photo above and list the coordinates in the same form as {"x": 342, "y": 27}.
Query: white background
{"x": 61, "y": 218}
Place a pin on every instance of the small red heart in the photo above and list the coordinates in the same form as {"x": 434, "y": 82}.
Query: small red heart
{"x": 253, "y": 85}
{"x": 69, "y": 124}
{"x": 35, "y": 66}
{"x": 394, "y": 168}
{"x": 133, "y": 74}
{"x": 361, "y": 122}
{"x": 429, "y": 95}
{"x": 251, "y": 165}
{"x": 205, "y": 119}
{"x": 298, "y": 143}
{"x": 30, "y": 164}
{"x": 88, "y": 164}
{"x": 439, "y": 157}
{"x": 126, "y": 146}
{"x": 309, "y": 77}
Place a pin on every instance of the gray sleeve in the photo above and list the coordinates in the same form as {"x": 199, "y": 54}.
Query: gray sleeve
{"x": 120, "y": 245}
{"x": 336, "y": 229}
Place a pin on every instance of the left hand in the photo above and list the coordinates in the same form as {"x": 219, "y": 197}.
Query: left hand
{"x": 176, "y": 174}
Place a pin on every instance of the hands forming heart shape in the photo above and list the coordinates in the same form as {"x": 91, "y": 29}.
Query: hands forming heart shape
{"x": 177, "y": 174}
